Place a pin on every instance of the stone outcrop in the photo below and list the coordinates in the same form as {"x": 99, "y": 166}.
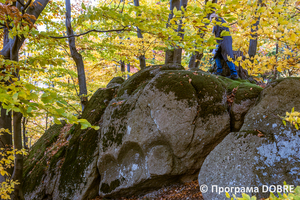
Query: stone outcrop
{"x": 156, "y": 128}
{"x": 264, "y": 152}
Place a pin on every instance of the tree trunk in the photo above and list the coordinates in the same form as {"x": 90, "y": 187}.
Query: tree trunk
{"x": 5, "y": 138}
{"x": 142, "y": 58}
{"x": 253, "y": 42}
{"x": 170, "y": 53}
{"x": 180, "y": 30}
{"x": 18, "y": 168}
{"x": 10, "y": 51}
{"x": 76, "y": 57}
{"x": 122, "y": 64}
{"x": 197, "y": 56}
{"x": 128, "y": 70}
{"x": 195, "y": 60}
{"x": 25, "y": 138}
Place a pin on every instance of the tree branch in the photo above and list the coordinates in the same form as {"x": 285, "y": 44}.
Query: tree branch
{"x": 27, "y": 4}
{"x": 21, "y": 3}
{"x": 93, "y": 30}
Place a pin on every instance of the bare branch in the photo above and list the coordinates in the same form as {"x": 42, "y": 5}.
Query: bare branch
{"x": 21, "y": 3}
{"x": 27, "y": 4}
{"x": 93, "y": 30}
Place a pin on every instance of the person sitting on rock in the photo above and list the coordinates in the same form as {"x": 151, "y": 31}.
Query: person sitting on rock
{"x": 224, "y": 48}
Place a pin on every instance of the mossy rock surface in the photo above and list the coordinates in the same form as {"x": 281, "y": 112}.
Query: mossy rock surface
{"x": 197, "y": 95}
{"x": 245, "y": 89}
{"x": 75, "y": 156}
{"x": 79, "y": 155}
{"x": 116, "y": 81}
{"x": 141, "y": 78}
{"x": 97, "y": 104}
{"x": 135, "y": 81}
{"x": 35, "y": 164}
{"x": 264, "y": 151}
{"x": 83, "y": 144}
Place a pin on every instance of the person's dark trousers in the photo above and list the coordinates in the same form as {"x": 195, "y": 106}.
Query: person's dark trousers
{"x": 219, "y": 65}
{"x": 232, "y": 68}
{"x": 230, "y": 65}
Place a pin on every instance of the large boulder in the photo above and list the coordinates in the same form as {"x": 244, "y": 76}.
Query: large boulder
{"x": 156, "y": 128}
{"x": 62, "y": 164}
{"x": 263, "y": 153}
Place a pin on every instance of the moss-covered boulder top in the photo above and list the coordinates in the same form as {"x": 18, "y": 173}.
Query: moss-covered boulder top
{"x": 155, "y": 127}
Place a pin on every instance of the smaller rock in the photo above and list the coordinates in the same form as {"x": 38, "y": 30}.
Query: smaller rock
{"x": 116, "y": 81}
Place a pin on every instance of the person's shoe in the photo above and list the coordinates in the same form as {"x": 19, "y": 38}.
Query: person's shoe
{"x": 217, "y": 73}
{"x": 233, "y": 77}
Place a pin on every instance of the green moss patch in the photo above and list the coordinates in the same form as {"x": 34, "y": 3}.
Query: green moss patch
{"x": 79, "y": 155}
{"x": 246, "y": 90}
{"x": 116, "y": 80}
{"x": 97, "y": 104}
{"x": 114, "y": 135}
{"x": 176, "y": 82}
{"x": 191, "y": 84}
{"x": 136, "y": 80}
{"x": 35, "y": 164}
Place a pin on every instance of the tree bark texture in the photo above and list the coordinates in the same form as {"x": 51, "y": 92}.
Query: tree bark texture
{"x": 253, "y": 42}
{"x": 25, "y": 138}
{"x": 10, "y": 51}
{"x": 197, "y": 56}
{"x": 18, "y": 168}
{"x": 170, "y": 56}
{"x": 76, "y": 57}
{"x": 142, "y": 58}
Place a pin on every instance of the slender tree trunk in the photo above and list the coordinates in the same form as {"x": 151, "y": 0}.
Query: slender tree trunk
{"x": 25, "y": 138}
{"x": 276, "y": 74}
{"x": 18, "y": 168}
{"x": 142, "y": 58}
{"x": 46, "y": 121}
{"x": 76, "y": 57}
{"x": 122, "y": 64}
{"x": 169, "y": 56}
{"x": 5, "y": 119}
{"x": 6, "y": 138}
{"x": 195, "y": 60}
{"x": 253, "y": 42}
{"x": 197, "y": 56}
{"x": 29, "y": 143}
{"x": 178, "y": 51}
{"x": 17, "y": 133}
{"x": 128, "y": 69}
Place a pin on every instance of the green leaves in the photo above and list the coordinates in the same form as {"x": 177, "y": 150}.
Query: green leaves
{"x": 83, "y": 6}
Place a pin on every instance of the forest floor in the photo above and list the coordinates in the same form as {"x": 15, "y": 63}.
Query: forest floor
{"x": 188, "y": 190}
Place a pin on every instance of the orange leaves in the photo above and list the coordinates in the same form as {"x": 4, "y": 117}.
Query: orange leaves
{"x": 260, "y": 134}
{"x": 231, "y": 96}
{"x": 117, "y": 103}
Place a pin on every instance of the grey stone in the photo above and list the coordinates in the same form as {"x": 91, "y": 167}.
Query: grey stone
{"x": 263, "y": 152}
